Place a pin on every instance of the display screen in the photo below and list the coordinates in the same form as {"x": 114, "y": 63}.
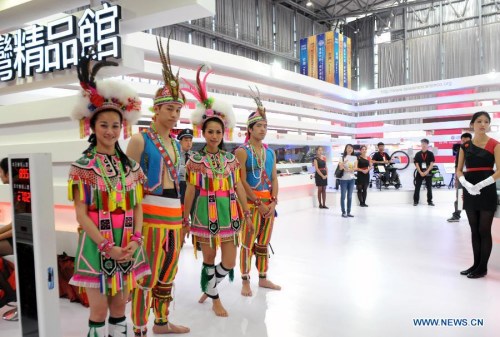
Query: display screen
{"x": 20, "y": 168}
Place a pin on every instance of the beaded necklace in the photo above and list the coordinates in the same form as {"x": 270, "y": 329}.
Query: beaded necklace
{"x": 176, "y": 152}
{"x": 260, "y": 161}
{"x": 217, "y": 167}
{"x": 177, "y": 155}
{"x": 107, "y": 182}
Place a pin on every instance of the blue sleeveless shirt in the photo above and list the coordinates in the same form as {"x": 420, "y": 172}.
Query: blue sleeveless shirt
{"x": 253, "y": 177}
{"x": 152, "y": 164}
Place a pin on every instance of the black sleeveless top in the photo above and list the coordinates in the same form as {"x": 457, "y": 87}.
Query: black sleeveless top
{"x": 479, "y": 164}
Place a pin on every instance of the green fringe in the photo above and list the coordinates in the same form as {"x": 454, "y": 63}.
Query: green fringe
{"x": 231, "y": 275}
{"x": 204, "y": 278}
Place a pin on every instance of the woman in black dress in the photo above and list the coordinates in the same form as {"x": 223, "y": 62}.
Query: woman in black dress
{"x": 363, "y": 177}
{"x": 480, "y": 195}
{"x": 321, "y": 176}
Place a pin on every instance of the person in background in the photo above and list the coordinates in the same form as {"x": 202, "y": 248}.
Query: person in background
{"x": 424, "y": 162}
{"x": 6, "y": 246}
{"x": 382, "y": 157}
{"x": 363, "y": 176}
{"x": 455, "y": 217}
{"x": 321, "y": 176}
{"x": 479, "y": 156}
{"x": 349, "y": 164}
{"x": 185, "y": 138}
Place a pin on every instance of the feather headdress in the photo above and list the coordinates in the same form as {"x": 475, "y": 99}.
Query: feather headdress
{"x": 259, "y": 114}
{"x": 208, "y": 107}
{"x": 97, "y": 96}
{"x": 170, "y": 93}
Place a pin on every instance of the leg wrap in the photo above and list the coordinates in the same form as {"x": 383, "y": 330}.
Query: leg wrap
{"x": 221, "y": 272}
{"x": 209, "y": 281}
{"x": 162, "y": 296}
{"x": 261, "y": 259}
{"x": 96, "y": 329}
{"x": 117, "y": 327}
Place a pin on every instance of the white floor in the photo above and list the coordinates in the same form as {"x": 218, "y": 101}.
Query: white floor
{"x": 371, "y": 275}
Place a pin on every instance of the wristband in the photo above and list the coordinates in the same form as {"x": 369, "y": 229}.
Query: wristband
{"x": 105, "y": 246}
{"x": 137, "y": 237}
{"x": 257, "y": 202}
{"x": 185, "y": 222}
{"x": 247, "y": 213}
{"x": 274, "y": 199}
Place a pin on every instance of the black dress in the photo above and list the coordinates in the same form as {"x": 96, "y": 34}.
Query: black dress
{"x": 363, "y": 178}
{"x": 322, "y": 167}
{"x": 479, "y": 166}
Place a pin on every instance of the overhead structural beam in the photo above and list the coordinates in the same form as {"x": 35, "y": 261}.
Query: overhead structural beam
{"x": 236, "y": 41}
{"x": 301, "y": 8}
{"x": 378, "y": 10}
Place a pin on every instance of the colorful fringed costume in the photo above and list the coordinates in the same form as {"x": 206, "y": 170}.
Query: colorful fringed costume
{"x": 162, "y": 230}
{"x": 113, "y": 215}
{"x": 162, "y": 225}
{"x": 257, "y": 242}
{"x": 216, "y": 216}
{"x": 259, "y": 169}
{"x": 110, "y": 189}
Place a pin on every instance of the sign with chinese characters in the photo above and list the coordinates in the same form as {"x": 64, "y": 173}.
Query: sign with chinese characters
{"x": 43, "y": 49}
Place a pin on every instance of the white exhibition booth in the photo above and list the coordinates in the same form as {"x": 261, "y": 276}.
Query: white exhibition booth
{"x": 35, "y": 111}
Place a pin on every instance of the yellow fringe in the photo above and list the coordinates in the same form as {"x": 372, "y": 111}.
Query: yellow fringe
{"x": 70, "y": 190}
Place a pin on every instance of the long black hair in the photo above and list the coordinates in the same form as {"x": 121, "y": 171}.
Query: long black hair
{"x": 215, "y": 119}
{"x": 93, "y": 140}
{"x": 345, "y": 150}
{"x": 479, "y": 114}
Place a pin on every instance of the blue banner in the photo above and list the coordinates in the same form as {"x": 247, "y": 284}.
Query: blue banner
{"x": 336, "y": 58}
{"x": 303, "y": 56}
{"x": 320, "y": 40}
{"x": 344, "y": 51}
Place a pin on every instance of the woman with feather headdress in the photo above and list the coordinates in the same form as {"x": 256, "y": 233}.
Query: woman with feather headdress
{"x": 106, "y": 187}
{"x": 215, "y": 173}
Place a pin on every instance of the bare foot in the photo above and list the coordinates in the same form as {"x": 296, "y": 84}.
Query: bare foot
{"x": 246, "y": 290}
{"x": 169, "y": 328}
{"x": 265, "y": 283}
{"x": 203, "y": 298}
{"x": 219, "y": 309}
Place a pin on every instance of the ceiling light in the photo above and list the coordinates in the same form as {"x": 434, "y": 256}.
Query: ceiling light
{"x": 309, "y": 3}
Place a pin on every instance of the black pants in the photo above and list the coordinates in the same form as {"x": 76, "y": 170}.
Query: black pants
{"x": 457, "y": 212}
{"x": 428, "y": 184}
{"x": 389, "y": 175}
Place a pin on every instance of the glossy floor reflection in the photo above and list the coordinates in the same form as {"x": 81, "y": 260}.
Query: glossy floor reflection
{"x": 366, "y": 276}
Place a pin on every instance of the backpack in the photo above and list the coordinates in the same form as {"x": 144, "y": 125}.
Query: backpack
{"x": 7, "y": 282}
{"x": 66, "y": 268}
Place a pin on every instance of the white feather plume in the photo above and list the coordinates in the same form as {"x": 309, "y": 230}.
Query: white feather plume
{"x": 197, "y": 114}
{"x": 108, "y": 89}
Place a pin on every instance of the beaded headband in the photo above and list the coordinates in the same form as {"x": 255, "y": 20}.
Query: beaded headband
{"x": 259, "y": 114}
